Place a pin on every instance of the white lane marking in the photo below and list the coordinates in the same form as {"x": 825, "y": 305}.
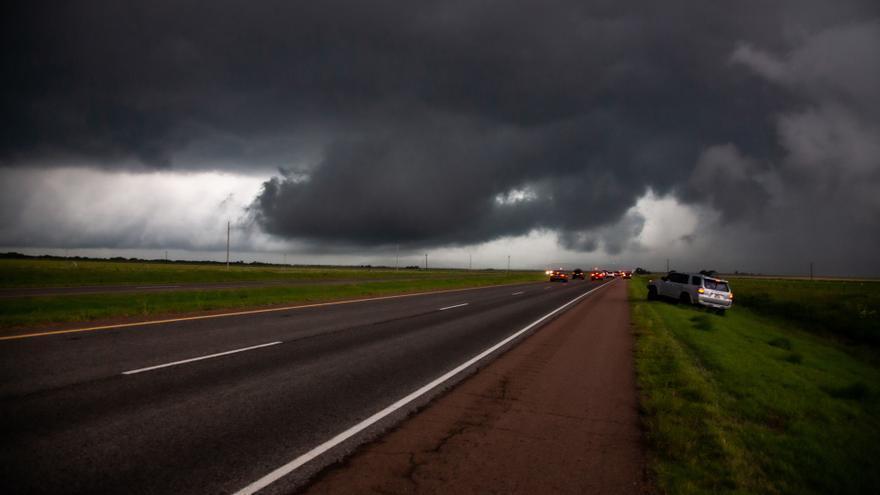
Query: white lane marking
{"x": 455, "y": 306}
{"x": 158, "y": 287}
{"x": 354, "y": 430}
{"x": 517, "y": 293}
{"x": 209, "y": 356}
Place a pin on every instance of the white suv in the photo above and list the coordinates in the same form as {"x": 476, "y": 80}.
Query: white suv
{"x": 693, "y": 288}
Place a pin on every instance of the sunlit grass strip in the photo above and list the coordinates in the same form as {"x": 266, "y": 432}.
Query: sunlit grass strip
{"x": 57, "y": 273}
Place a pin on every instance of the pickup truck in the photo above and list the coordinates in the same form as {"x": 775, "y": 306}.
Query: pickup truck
{"x": 693, "y": 288}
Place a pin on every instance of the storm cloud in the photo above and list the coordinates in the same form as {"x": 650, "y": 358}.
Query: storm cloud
{"x": 457, "y": 123}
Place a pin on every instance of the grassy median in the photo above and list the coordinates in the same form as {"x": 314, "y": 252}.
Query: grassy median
{"x": 25, "y": 312}
{"x": 752, "y": 403}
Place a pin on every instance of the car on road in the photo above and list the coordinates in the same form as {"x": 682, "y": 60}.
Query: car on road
{"x": 626, "y": 274}
{"x": 609, "y": 274}
{"x": 577, "y": 273}
{"x": 693, "y": 288}
{"x": 558, "y": 275}
{"x": 599, "y": 275}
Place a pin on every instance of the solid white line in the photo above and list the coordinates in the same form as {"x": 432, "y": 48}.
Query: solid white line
{"x": 209, "y": 356}
{"x": 345, "y": 435}
{"x": 517, "y": 293}
{"x": 450, "y": 307}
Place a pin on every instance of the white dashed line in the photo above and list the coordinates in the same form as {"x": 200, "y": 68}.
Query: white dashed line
{"x": 209, "y": 356}
{"x": 450, "y": 307}
{"x": 517, "y": 293}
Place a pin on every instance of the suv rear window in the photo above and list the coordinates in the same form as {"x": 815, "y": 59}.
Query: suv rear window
{"x": 679, "y": 278}
{"x": 716, "y": 285}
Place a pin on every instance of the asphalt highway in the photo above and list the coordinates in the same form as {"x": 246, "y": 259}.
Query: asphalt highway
{"x": 215, "y": 405}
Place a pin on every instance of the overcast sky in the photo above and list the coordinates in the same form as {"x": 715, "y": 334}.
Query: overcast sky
{"x": 728, "y": 135}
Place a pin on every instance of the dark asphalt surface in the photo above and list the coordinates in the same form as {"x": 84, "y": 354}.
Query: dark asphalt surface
{"x": 71, "y": 422}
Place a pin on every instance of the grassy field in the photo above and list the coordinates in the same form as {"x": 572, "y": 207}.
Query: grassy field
{"x": 60, "y": 273}
{"x": 848, "y": 310}
{"x": 752, "y": 403}
{"x": 27, "y": 312}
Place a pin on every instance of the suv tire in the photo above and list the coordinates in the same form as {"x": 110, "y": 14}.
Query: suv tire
{"x": 652, "y": 293}
{"x": 685, "y": 298}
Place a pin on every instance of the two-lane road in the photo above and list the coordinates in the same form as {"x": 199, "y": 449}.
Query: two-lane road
{"x": 216, "y": 404}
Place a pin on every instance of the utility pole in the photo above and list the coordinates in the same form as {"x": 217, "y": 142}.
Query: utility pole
{"x": 166, "y": 255}
{"x": 470, "y": 261}
{"x": 426, "y": 261}
{"x": 811, "y": 271}
{"x": 227, "y": 244}
{"x": 397, "y": 262}
{"x": 508, "y": 265}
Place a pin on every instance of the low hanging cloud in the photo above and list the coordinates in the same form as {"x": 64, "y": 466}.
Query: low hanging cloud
{"x": 458, "y": 123}
{"x": 82, "y": 208}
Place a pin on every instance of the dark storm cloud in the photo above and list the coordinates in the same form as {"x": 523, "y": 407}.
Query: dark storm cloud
{"x": 456, "y": 122}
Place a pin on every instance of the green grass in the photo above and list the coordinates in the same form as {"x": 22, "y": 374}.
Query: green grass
{"x": 59, "y": 273}
{"x": 749, "y": 403}
{"x": 848, "y": 310}
{"x": 32, "y": 311}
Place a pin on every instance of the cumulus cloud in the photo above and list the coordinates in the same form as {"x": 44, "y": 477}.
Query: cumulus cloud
{"x": 729, "y": 182}
{"x": 830, "y": 141}
{"x": 835, "y": 64}
{"x": 817, "y": 198}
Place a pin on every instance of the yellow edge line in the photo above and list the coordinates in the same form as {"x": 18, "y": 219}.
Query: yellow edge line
{"x": 240, "y": 313}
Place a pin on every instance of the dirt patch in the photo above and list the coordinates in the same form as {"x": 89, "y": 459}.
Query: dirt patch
{"x": 556, "y": 414}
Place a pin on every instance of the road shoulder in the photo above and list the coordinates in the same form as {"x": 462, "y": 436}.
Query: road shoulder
{"x": 556, "y": 414}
